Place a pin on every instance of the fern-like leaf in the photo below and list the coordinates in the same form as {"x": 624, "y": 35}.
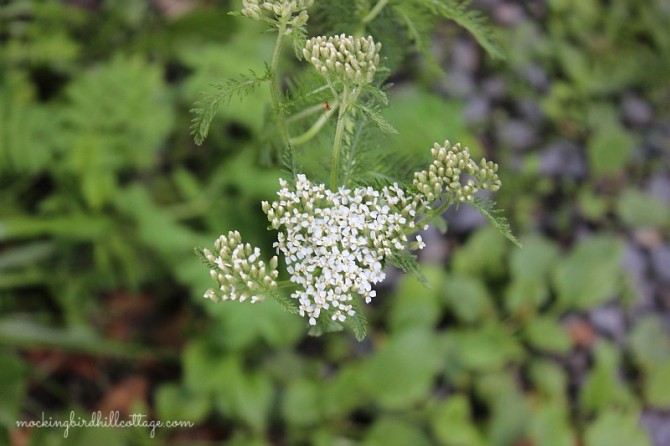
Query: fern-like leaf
{"x": 205, "y": 109}
{"x": 408, "y": 263}
{"x": 495, "y": 218}
{"x": 357, "y": 322}
{"x": 376, "y": 117}
{"x": 474, "y": 21}
{"x": 287, "y": 303}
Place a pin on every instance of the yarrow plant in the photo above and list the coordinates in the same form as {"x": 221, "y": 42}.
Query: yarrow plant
{"x": 336, "y": 240}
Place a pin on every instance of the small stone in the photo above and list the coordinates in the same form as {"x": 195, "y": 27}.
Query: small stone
{"x": 517, "y": 135}
{"x": 563, "y": 159}
{"x": 658, "y": 426}
{"x": 477, "y": 110}
{"x": 648, "y": 237}
{"x": 609, "y": 321}
{"x": 636, "y": 111}
{"x": 660, "y": 262}
{"x": 659, "y": 187}
{"x": 509, "y": 14}
{"x": 495, "y": 87}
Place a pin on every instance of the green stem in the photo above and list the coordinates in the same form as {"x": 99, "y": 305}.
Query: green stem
{"x": 309, "y": 111}
{"x": 316, "y": 127}
{"x": 276, "y": 101}
{"x": 432, "y": 214}
{"x": 374, "y": 12}
{"x": 370, "y": 16}
{"x": 337, "y": 143}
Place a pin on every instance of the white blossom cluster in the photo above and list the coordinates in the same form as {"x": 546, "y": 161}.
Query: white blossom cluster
{"x": 444, "y": 174}
{"x": 290, "y": 12}
{"x": 238, "y": 270}
{"x": 335, "y": 242}
{"x": 346, "y": 58}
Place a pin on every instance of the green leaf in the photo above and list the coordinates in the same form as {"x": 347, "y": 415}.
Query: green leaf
{"x": 637, "y": 209}
{"x": 650, "y": 342}
{"x": 482, "y": 256}
{"x": 467, "y": 297}
{"x": 13, "y": 373}
{"x": 422, "y": 119}
{"x": 535, "y": 260}
{"x": 546, "y": 333}
{"x": 550, "y": 426}
{"x": 451, "y": 422}
{"x": 604, "y": 387}
{"x": 486, "y": 348}
{"x": 609, "y": 148}
{"x": 174, "y": 402}
{"x": 472, "y": 20}
{"x": 205, "y": 109}
{"x": 587, "y": 277}
{"x": 376, "y": 117}
{"x": 549, "y": 379}
{"x": 243, "y": 394}
{"x": 358, "y": 324}
{"x": 613, "y": 428}
{"x": 395, "y": 432}
{"x": 26, "y": 333}
{"x": 408, "y": 263}
{"x": 401, "y": 373}
{"x": 657, "y": 386}
{"x": 414, "y": 305}
{"x": 495, "y": 218}
{"x": 301, "y": 403}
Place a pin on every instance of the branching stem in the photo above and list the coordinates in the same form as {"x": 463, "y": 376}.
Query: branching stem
{"x": 316, "y": 127}
{"x": 374, "y": 12}
{"x": 276, "y": 101}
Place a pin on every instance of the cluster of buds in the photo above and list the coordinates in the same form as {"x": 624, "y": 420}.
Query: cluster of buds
{"x": 351, "y": 60}
{"x": 335, "y": 243}
{"x": 238, "y": 270}
{"x": 288, "y": 12}
{"x": 444, "y": 176}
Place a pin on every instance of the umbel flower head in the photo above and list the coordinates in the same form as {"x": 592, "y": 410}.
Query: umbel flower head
{"x": 455, "y": 174}
{"x": 345, "y": 58}
{"x": 238, "y": 270}
{"x": 335, "y": 242}
{"x": 289, "y": 12}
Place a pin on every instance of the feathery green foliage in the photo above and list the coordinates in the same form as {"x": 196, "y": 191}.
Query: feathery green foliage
{"x": 495, "y": 217}
{"x": 205, "y": 109}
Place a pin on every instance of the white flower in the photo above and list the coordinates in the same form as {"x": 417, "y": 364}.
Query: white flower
{"x": 335, "y": 243}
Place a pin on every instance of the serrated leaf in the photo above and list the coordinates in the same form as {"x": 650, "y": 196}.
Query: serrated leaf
{"x": 408, "y": 263}
{"x": 378, "y": 119}
{"x": 205, "y": 109}
{"x": 358, "y": 323}
{"x": 472, "y": 20}
{"x": 495, "y": 218}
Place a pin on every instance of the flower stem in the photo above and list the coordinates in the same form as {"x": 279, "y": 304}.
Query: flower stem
{"x": 433, "y": 213}
{"x": 337, "y": 143}
{"x": 374, "y": 12}
{"x": 276, "y": 101}
{"x": 370, "y": 16}
{"x": 316, "y": 127}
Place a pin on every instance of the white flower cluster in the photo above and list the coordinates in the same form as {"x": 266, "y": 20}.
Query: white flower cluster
{"x": 238, "y": 270}
{"x": 335, "y": 242}
{"x": 444, "y": 174}
{"x": 347, "y": 58}
{"x": 290, "y": 12}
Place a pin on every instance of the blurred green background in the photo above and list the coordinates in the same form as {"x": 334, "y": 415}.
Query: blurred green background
{"x": 103, "y": 196}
